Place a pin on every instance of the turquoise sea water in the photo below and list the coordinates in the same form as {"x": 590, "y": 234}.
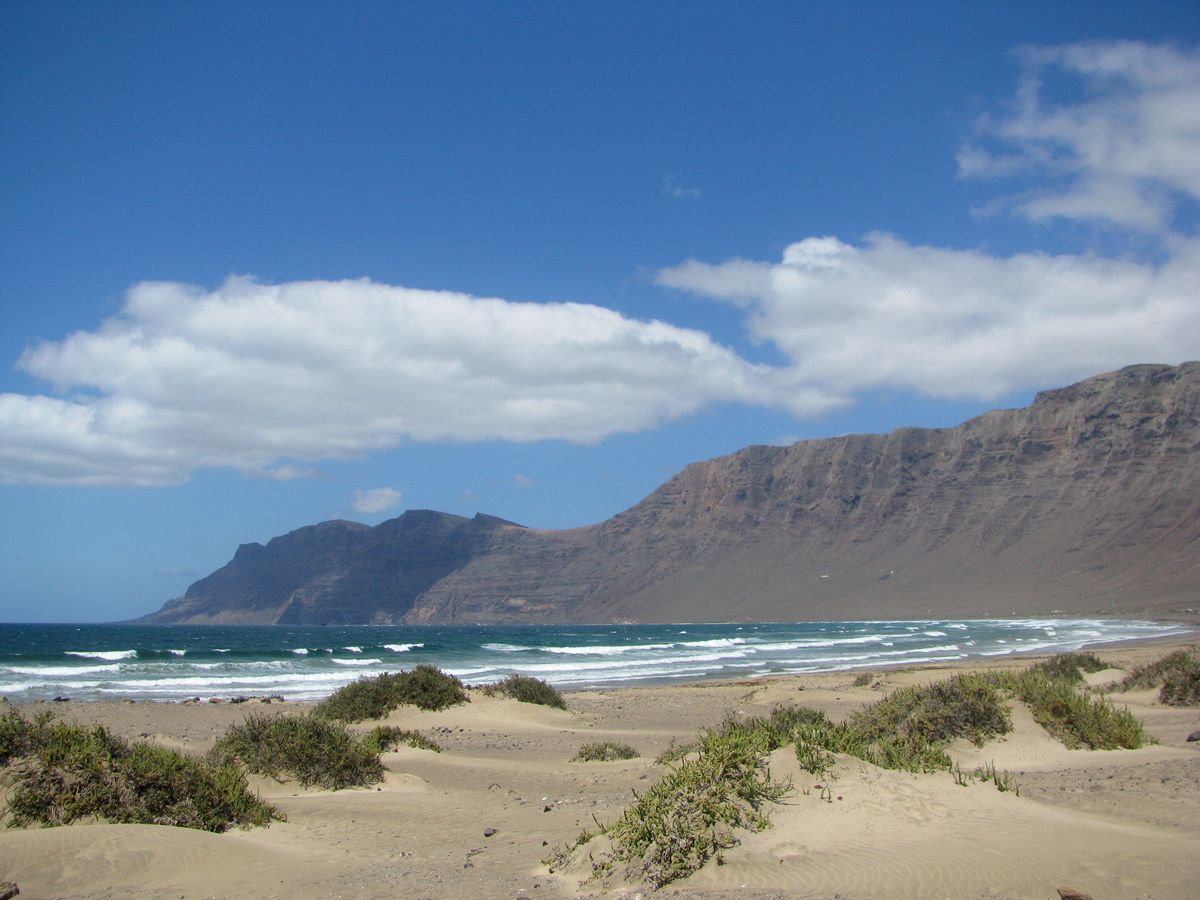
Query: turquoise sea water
{"x": 176, "y": 662}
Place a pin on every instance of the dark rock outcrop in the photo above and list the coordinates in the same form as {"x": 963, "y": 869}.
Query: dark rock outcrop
{"x": 1088, "y": 500}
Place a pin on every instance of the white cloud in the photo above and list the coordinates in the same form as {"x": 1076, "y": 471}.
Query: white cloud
{"x": 377, "y": 500}
{"x": 523, "y": 481}
{"x": 955, "y": 323}
{"x": 1125, "y": 151}
{"x": 963, "y": 323}
{"x": 672, "y": 188}
{"x": 249, "y": 375}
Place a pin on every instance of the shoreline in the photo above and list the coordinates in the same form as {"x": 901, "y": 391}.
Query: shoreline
{"x": 306, "y": 664}
{"x": 1107, "y": 822}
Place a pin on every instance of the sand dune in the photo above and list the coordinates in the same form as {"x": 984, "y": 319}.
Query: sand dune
{"x": 1114, "y": 824}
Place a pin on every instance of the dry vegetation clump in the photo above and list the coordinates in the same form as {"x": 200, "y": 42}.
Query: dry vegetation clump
{"x": 309, "y": 748}
{"x": 1070, "y": 666}
{"x": 60, "y": 773}
{"x": 1177, "y": 676}
{"x": 527, "y": 689}
{"x": 425, "y": 687}
{"x": 606, "y": 751}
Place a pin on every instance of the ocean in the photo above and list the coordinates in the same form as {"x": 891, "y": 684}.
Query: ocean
{"x": 177, "y": 662}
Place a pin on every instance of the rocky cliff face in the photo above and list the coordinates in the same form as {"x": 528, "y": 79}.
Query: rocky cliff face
{"x": 1086, "y": 501}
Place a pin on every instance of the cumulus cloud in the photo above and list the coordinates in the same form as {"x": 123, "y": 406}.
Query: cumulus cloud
{"x": 1124, "y": 151}
{"x": 967, "y": 324}
{"x": 264, "y": 377}
{"x": 955, "y": 323}
{"x": 377, "y": 500}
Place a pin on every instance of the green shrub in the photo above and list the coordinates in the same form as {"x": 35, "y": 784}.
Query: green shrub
{"x": 690, "y": 816}
{"x": 966, "y": 705}
{"x": 70, "y": 772}
{"x": 19, "y": 736}
{"x": 1181, "y": 685}
{"x": 812, "y": 748}
{"x": 382, "y": 738}
{"x": 1153, "y": 674}
{"x": 309, "y": 748}
{"x": 367, "y": 698}
{"x": 777, "y": 729}
{"x": 1070, "y": 666}
{"x": 862, "y": 679}
{"x": 528, "y": 690}
{"x": 607, "y": 751}
{"x": 429, "y": 688}
{"x": 1074, "y": 718}
{"x": 426, "y": 687}
{"x": 1177, "y": 674}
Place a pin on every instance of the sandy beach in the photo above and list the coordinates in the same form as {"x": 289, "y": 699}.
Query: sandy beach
{"x": 1122, "y": 823}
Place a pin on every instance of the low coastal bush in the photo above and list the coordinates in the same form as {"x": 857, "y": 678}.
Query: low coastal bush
{"x": 382, "y": 738}
{"x": 690, "y": 816}
{"x": 1181, "y": 686}
{"x": 963, "y": 706}
{"x": 719, "y": 782}
{"x": 59, "y": 773}
{"x": 528, "y": 690}
{"x": 1072, "y": 717}
{"x": 606, "y": 751}
{"x": 309, "y": 748}
{"x": 1070, "y": 666}
{"x": 426, "y": 687}
{"x": 1177, "y": 675}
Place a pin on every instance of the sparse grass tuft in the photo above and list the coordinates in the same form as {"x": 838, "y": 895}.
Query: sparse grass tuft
{"x": 382, "y": 738}
{"x": 862, "y": 679}
{"x": 61, "y": 773}
{"x": 426, "y": 687}
{"x": 675, "y": 751}
{"x": 528, "y": 690}
{"x": 309, "y": 748}
{"x": 607, "y": 751}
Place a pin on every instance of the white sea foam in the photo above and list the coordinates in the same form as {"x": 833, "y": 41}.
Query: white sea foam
{"x": 636, "y": 655}
{"x": 59, "y": 671}
{"x": 615, "y": 650}
{"x": 103, "y": 654}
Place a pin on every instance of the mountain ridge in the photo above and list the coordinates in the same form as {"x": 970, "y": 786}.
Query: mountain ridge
{"x": 1087, "y": 500}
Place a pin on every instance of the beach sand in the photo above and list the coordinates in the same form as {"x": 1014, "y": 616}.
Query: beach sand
{"x": 1110, "y": 823}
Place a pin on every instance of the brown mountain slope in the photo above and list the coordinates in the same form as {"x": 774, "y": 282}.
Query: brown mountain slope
{"x": 1086, "y": 501}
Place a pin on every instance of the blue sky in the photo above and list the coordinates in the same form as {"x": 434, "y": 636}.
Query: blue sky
{"x": 267, "y": 264}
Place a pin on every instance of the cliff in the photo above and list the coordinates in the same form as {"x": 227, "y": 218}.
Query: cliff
{"x": 1086, "y": 501}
